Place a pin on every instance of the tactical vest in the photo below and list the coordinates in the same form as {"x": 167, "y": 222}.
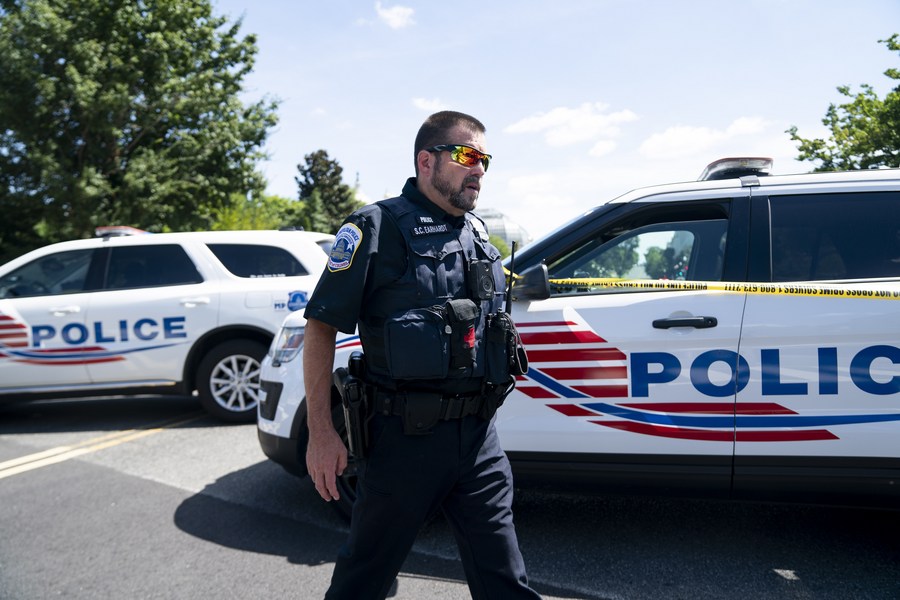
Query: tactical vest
{"x": 404, "y": 329}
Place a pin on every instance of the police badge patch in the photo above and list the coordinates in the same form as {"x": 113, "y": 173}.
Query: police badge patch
{"x": 345, "y": 244}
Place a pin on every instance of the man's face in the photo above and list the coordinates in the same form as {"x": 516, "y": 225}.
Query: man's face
{"x": 459, "y": 184}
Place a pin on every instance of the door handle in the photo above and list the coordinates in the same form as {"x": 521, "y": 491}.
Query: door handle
{"x": 192, "y": 302}
{"x": 695, "y": 322}
{"x": 61, "y": 311}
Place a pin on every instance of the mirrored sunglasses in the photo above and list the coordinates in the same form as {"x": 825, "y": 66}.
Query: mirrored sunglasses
{"x": 464, "y": 155}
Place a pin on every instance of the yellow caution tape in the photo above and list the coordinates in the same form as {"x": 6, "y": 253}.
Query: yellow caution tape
{"x": 780, "y": 289}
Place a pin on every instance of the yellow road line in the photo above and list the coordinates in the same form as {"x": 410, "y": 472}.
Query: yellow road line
{"x": 63, "y": 453}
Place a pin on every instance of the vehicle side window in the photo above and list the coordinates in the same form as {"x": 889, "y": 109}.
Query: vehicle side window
{"x": 654, "y": 246}
{"x": 150, "y": 266}
{"x": 835, "y": 236}
{"x": 255, "y": 260}
{"x": 60, "y": 273}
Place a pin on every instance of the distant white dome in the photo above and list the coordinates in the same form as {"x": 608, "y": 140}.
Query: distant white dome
{"x": 503, "y": 227}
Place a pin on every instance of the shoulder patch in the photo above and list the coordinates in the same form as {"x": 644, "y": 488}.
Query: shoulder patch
{"x": 346, "y": 242}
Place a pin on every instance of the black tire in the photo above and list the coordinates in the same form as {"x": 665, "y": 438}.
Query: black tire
{"x": 228, "y": 380}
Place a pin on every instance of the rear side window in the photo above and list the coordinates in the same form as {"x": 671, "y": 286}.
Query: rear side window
{"x": 256, "y": 260}
{"x": 60, "y": 273}
{"x": 835, "y": 236}
{"x": 150, "y": 266}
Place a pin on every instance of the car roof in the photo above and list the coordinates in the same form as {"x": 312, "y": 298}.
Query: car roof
{"x": 213, "y": 237}
{"x": 845, "y": 181}
{"x": 268, "y": 237}
{"x": 767, "y": 184}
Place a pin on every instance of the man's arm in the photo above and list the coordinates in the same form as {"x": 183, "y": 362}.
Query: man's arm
{"x": 326, "y": 455}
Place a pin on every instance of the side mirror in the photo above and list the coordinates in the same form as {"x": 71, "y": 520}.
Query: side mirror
{"x": 532, "y": 284}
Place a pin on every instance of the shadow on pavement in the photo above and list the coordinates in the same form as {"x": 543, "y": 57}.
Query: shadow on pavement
{"x": 283, "y": 516}
{"x": 101, "y": 414}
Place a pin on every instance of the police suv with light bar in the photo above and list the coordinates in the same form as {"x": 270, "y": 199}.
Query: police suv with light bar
{"x": 735, "y": 337}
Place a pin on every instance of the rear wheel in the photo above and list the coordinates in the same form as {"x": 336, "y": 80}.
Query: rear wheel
{"x": 228, "y": 380}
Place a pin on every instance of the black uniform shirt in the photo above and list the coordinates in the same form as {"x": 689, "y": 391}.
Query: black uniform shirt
{"x": 368, "y": 252}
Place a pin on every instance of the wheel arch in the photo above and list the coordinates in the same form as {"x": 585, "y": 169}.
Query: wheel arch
{"x": 213, "y": 338}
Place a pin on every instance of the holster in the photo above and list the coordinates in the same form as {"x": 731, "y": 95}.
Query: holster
{"x": 352, "y": 389}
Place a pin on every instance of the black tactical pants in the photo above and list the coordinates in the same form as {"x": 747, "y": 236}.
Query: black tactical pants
{"x": 459, "y": 468}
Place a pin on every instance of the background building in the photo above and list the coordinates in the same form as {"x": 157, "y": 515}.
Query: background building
{"x": 502, "y": 226}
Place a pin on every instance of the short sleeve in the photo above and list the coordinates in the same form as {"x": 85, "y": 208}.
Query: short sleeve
{"x": 338, "y": 297}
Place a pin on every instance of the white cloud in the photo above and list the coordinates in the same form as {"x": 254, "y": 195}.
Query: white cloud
{"x": 395, "y": 17}
{"x": 429, "y": 104}
{"x": 684, "y": 140}
{"x": 564, "y": 126}
{"x": 747, "y": 126}
{"x": 602, "y": 148}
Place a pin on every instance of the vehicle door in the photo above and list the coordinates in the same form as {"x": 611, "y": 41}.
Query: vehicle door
{"x": 44, "y": 338}
{"x": 152, "y": 309}
{"x": 624, "y": 375}
{"x": 267, "y": 282}
{"x": 823, "y": 352}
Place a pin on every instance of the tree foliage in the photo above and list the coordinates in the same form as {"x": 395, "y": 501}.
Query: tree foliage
{"x": 264, "y": 212}
{"x": 500, "y": 244}
{"x": 864, "y": 132}
{"x": 665, "y": 263}
{"x": 617, "y": 261}
{"x": 321, "y": 186}
{"x": 120, "y": 112}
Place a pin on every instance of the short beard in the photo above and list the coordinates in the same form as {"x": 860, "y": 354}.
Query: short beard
{"x": 456, "y": 198}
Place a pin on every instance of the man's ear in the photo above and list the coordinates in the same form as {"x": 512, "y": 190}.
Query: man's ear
{"x": 425, "y": 162}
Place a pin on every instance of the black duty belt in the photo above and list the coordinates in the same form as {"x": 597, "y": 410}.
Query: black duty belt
{"x": 452, "y": 407}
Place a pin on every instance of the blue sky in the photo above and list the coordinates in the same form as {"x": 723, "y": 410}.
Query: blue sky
{"x": 583, "y": 100}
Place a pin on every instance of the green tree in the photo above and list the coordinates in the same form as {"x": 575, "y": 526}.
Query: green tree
{"x": 321, "y": 185}
{"x": 617, "y": 261}
{"x": 864, "y": 132}
{"x": 665, "y": 263}
{"x": 500, "y": 244}
{"x": 117, "y": 112}
{"x": 264, "y": 212}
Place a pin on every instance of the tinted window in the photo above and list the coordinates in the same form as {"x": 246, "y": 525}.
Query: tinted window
{"x": 656, "y": 244}
{"x": 60, "y": 273}
{"x": 251, "y": 260}
{"x": 835, "y": 236}
{"x": 150, "y": 266}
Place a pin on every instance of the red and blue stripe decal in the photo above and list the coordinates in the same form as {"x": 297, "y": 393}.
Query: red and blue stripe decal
{"x": 577, "y": 373}
{"x": 14, "y": 346}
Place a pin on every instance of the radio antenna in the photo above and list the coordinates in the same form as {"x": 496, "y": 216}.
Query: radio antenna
{"x": 512, "y": 273}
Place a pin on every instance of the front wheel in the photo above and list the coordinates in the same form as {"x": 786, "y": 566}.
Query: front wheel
{"x": 228, "y": 380}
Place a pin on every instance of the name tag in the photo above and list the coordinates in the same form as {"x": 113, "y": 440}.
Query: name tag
{"x": 430, "y": 229}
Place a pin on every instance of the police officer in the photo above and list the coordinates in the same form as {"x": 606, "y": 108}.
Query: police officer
{"x": 418, "y": 277}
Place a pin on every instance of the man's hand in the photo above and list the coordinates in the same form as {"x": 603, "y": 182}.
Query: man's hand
{"x": 326, "y": 455}
{"x": 326, "y": 459}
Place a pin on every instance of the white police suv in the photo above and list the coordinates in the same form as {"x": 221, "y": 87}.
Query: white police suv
{"x": 734, "y": 337}
{"x": 153, "y": 313}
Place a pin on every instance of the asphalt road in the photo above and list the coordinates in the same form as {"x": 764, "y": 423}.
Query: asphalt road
{"x": 150, "y": 498}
